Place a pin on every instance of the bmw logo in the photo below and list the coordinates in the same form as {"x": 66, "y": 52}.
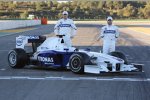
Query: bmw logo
{"x": 19, "y": 41}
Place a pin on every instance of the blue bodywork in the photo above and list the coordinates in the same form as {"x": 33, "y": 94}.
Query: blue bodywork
{"x": 54, "y": 58}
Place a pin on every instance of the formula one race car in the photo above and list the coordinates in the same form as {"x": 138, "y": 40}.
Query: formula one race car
{"x": 52, "y": 52}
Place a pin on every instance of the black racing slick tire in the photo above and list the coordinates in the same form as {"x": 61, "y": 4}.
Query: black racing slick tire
{"x": 76, "y": 63}
{"x": 119, "y": 55}
{"x": 17, "y": 58}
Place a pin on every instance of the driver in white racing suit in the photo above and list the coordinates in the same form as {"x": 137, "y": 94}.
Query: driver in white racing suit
{"x": 66, "y": 26}
{"x": 109, "y": 34}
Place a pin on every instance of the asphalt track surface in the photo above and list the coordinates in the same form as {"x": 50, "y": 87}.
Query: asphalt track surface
{"x": 32, "y": 83}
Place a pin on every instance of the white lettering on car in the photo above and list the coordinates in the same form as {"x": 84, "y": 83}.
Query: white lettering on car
{"x": 46, "y": 59}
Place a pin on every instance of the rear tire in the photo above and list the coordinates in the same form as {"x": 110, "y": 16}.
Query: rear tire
{"x": 119, "y": 55}
{"x": 76, "y": 63}
{"x": 17, "y": 58}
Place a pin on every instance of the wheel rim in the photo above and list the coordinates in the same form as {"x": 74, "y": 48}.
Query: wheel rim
{"x": 12, "y": 58}
{"x": 76, "y": 63}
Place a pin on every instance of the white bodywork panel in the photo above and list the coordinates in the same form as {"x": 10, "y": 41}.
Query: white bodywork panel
{"x": 101, "y": 65}
{"x": 54, "y": 43}
{"x": 51, "y": 43}
{"x": 92, "y": 69}
{"x": 103, "y": 68}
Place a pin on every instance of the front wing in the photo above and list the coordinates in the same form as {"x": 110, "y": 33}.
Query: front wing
{"x": 97, "y": 69}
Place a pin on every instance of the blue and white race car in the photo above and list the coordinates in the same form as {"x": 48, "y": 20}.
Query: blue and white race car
{"x": 53, "y": 53}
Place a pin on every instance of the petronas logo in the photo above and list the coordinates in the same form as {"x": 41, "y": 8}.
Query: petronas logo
{"x": 46, "y": 59}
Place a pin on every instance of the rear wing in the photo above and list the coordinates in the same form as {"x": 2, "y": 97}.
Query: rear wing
{"x": 22, "y": 40}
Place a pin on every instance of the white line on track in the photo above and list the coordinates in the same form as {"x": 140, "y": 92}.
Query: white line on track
{"x": 19, "y": 77}
{"x": 2, "y": 69}
{"x": 5, "y": 77}
{"x": 87, "y": 78}
{"x": 130, "y": 79}
{"x": 73, "y": 78}
{"x": 69, "y": 78}
{"x": 104, "y": 79}
{"x": 35, "y": 78}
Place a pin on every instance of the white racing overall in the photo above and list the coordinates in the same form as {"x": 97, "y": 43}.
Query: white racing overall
{"x": 66, "y": 27}
{"x": 109, "y": 34}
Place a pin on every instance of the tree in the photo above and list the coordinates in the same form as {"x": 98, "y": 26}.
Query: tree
{"x": 89, "y": 5}
{"x": 87, "y": 13}
{"x": 24, "y": 15}
{"x": 146, "y": 10}
{"x": 93, "y": 4}
{"x": 1, "y": 4}
{"x": 78, "y": 8}
{"x": 11, "y": 6}
{"x": 128, "y": 11}
{"x": 59, "y": 15}
{"x": 109, "y": 4}
{"x": 38, "y": 6}
{"x": 83, "y": 5}
{"x": 11, "y": 9}
{"x": 74, "y": 3}
{"x": 140, "y": 13}
{"x": 120, "y": 13}
{"x": 67, "y": 8}
{"x": 49, "y": 4}
{"x": 55, "y": 3}
{"x": 111, "y": 13}
{"x": 60, "y": 6}
{"x": 53, "y": 9}
{"x": 118, "y": 5}
{"x": 100, "y": 4}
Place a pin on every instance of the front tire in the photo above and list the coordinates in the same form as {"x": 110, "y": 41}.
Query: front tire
{"x": 17, "y": 58}
{"x": 76, "y": 63}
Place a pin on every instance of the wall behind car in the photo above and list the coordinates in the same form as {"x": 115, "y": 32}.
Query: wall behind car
{"x": 10, "y": 24}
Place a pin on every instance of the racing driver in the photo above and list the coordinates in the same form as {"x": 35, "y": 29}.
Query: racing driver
{"x": 109, "y": 35}
{"x": 66, "y": 26}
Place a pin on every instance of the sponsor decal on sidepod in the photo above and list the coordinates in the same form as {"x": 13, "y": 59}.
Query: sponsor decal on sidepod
{"x": 46, "y": 59}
